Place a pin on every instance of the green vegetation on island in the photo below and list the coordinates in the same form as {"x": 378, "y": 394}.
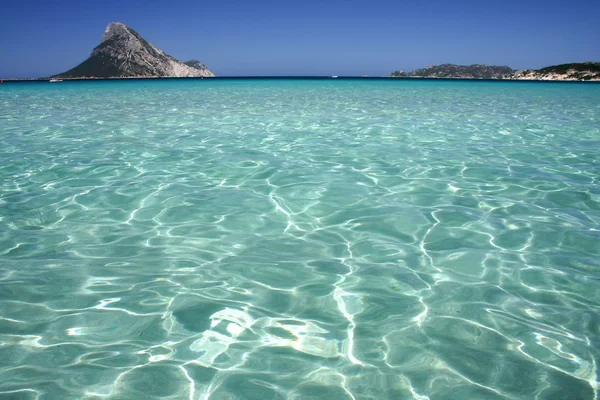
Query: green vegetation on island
{"x": 475, "y": 71}
{"x": 574, "y": 71}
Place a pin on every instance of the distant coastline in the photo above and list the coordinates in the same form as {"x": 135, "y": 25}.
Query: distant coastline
{"x": 223, "y": 78}
{"x": 587, "y": 71}
{"x": 577, "y": 72}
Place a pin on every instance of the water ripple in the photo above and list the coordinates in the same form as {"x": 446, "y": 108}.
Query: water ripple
{"x": 299, "y": 239}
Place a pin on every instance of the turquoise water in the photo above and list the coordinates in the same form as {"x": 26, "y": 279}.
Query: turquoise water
{"x": 274, "y": 239}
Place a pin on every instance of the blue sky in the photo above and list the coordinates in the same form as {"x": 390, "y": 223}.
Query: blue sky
{"x": 266, "y": 37}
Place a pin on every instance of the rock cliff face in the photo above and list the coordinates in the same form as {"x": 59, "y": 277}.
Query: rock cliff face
{"x": 124, "y": 53}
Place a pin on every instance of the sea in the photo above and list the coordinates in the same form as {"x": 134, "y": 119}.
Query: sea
{"x": 299, "y": 239}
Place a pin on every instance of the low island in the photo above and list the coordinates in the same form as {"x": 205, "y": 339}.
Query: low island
{"x": 587, "y": 71}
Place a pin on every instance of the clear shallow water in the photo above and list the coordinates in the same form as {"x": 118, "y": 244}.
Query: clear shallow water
{"x": 299, "y": 239}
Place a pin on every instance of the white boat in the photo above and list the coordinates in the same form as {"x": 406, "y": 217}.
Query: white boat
{"x": 55, "y": 80}
{"x": 334, "y": 76}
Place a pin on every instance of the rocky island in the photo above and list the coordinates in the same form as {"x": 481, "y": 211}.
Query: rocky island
{"x": 123, "y": 53}
{"x": 588, "y": 71}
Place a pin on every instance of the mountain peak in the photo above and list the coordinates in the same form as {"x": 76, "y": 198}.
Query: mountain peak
{"x": 114, "y": 29}
{"x": 124, "y": 53}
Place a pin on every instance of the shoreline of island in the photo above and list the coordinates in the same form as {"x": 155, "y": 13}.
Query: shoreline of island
{"x": 371, "y": 78}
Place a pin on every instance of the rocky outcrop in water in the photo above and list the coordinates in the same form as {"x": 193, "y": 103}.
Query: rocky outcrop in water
{"x": 123, "y": 53}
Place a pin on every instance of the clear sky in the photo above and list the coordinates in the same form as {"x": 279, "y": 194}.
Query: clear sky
{"x": 308, "y": 37}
